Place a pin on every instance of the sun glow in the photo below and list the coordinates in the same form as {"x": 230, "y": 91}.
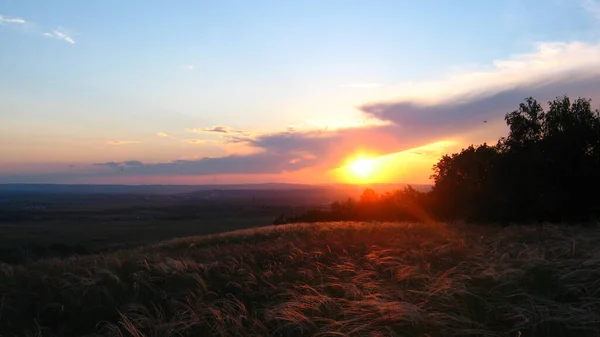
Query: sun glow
{"x": 411, "y": 165}
{"x": 362, "y": 167}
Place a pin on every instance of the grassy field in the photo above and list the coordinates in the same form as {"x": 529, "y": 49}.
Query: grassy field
{"x": 329, "y": 279}
{"x": 23, "y": 242}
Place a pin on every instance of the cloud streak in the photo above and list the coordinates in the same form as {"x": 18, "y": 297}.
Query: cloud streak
{"x": 264, "y": 163}
{"x": 198, "y": 141}
{"x": 4, "y": 19}
{"x": 122, "y": 142}
{"x": 121, "y": 165}
{"x": 60, "y": 35}
{"x": 219, "y": 129}
{"x": 592, "y": 7}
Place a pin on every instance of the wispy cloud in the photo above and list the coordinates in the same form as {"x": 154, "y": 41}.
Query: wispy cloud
{"x": 122, "y": 142}
{"x": 197, "y": 141}
{"x": 4, "y": 19}
{"x": 189, "y": 67}
{"x": 336, "y": 124}
{"x": 220, "y": 129}
{"x": 234, "y": 164}
{"x": 233, "y": 139}
{"x": 60, "y": 34}
{"x": 162, "y": 134}
{"x": 230, "y": 135}
{"x": 121, "y": 165}
{"x": 592, "y": 7}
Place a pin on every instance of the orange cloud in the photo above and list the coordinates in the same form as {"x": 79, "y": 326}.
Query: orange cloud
{"x": 122, "y": 142}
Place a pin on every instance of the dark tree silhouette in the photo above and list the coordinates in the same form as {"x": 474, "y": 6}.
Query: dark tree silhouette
{"x": 547, "y": 168}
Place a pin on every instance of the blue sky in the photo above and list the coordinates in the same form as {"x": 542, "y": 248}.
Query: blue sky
{"x": 85, "y": 83}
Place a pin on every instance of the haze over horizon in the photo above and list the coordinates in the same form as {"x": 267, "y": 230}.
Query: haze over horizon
{"x": 252, "y": 92}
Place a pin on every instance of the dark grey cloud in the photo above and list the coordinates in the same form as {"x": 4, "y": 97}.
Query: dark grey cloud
{"x": 237, "y": 139}
{"x": 247, "y": 164}
{"x": 340, "y": 142}
{"x": 133, "y": 163}
{"x": 221, "y": 129}
{"x": 463, "y": 113}
{"x": 120, "y": 165}
{"x": 111, "y": 164}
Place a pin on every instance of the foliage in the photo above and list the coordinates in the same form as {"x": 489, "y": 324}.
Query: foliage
{"x": 400, "y": 205}
{"x": 324, "y": 279}
{"x": 546, "y": 169}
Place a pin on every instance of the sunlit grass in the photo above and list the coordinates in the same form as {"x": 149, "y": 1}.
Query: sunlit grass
{"x": 334, "y": 279}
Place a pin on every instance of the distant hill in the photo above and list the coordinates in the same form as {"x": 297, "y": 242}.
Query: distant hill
{"x": 179, "y": 189}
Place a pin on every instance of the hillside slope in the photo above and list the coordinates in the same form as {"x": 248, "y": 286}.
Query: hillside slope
{"x": 333, "y": 279}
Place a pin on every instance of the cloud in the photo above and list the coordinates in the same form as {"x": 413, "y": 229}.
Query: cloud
{"x": 4, "y": 19}
{"x": 410, "y": 116}
{"x": 162, "y": 134}
{"x": 219, "y": 129}
{"x": 198, "y": 141}
{"x": 237, "y": 139}
{"x": 133, "y": 163}
{"x": 111, "y": 164}
{"x": 60, "y": 34}
{"x": 454, "y": 106}
{"x": 122, "y": 142}
{"x": 592, "y": 7}
{"x": 466, "y": 100}
{"x": 189, "y": 67}
{"x": 234, "y": 164}
{"x": 121, "y": 165}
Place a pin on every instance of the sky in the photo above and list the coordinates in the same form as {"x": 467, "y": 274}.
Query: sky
{"x": 192, "y": 92}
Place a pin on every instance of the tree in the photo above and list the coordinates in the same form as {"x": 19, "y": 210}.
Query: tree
{"x": 463, "y": 182}
{"x": 369, "y": 196}
{"x": 543, "y": 170}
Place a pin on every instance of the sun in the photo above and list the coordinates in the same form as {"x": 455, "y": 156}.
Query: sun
{"x": 362, "y": 167}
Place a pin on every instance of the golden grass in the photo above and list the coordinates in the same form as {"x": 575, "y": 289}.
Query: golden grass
{"x": 324, "y": 279}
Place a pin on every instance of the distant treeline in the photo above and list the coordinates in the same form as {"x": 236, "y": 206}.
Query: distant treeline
{"x": 546, "y": 169}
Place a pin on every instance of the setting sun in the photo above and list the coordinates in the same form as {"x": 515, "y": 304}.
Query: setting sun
{"x": 362, "y": 167}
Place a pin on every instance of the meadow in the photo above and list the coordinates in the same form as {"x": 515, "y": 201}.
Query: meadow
{"x": 319, "y": 279}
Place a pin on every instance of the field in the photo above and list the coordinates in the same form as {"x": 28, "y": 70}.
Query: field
{"x": 50, "y": 224}
{"x": 322, "y": 279}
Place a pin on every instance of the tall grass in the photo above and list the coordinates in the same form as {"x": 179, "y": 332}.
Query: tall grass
{"x": 333, "y": 279}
